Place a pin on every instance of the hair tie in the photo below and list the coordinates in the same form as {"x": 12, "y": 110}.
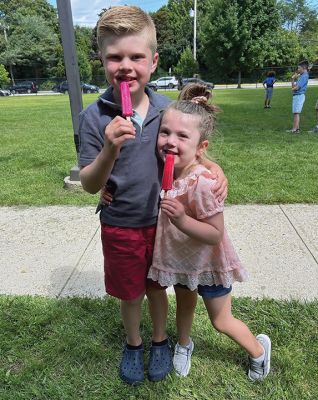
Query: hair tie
{"x": 199, "y": 99}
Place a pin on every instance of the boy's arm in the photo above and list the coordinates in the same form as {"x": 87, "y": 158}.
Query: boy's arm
{"x": 220, "y": 189}
{"x": 293, "y": 83}
{"x": 208, "y": 231}
{"x": 94, "y": 176}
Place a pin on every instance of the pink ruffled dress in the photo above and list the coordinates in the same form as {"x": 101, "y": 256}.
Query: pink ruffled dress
{"x": 180, "y": 259}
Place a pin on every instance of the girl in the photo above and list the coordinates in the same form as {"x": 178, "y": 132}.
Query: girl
{"x": 192, "y": 249}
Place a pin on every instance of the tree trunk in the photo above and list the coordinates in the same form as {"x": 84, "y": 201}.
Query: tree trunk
{"x": 239, "y": 80}
{"x": 11, "y": 74}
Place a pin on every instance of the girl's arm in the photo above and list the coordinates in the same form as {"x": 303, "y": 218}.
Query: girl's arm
{"x": 221, "y": 187}
{"x": 208, "y": 231}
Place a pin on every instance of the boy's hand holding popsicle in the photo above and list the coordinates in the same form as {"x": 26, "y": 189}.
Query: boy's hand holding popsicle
{"x": 119, "y": 129}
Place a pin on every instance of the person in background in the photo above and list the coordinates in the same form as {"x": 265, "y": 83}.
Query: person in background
{"x": 299, "y": 86}
{"x": 269, "y": 87}
{"x": 315, "y": 128}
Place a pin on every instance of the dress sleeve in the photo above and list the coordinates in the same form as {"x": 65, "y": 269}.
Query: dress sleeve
{"x": 202, "y": 201}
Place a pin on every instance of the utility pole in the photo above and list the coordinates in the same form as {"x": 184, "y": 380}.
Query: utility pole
{"x": 195, "y": 31}
{"x": 73, "y": 78}
{"x": 193, "y": 14}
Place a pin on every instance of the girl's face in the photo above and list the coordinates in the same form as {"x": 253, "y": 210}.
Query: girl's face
{"x": 179, "y": 135}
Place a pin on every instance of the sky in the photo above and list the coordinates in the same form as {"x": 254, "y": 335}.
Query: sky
{"x": 85, "y": 12}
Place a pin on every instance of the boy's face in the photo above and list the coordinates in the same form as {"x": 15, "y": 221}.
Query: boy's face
{"x": 128, "y": 58}
{"x": 300, "y": 69}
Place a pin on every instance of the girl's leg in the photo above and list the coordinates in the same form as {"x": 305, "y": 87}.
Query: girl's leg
{"x": 158, "y": 309}
{"x": 131, "y": 316}
{"x": 220, "y": 314}
{"x": 186, "y": 303}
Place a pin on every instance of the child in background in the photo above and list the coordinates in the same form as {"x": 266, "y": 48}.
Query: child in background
{"x": 122, "y": 155}
{"x": 269, "y": 86}
{"x": 299, "y": 87}
{"x": 192, "y": 249}
{"x": 315, "y": 129}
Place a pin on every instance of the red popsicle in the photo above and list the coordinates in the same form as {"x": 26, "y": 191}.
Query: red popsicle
{"x": 126, "y": 106}
{"x": 167, "y": 177}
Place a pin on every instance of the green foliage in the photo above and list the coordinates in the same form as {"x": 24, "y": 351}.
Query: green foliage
{"x": 85, "y": 67}
{"x": 236, "y": 34}
{"x": 32, "y": 42}
{"x": 37, "y": 149}
{"x": 187, "y": 66}
{"x": 4, "y": 75}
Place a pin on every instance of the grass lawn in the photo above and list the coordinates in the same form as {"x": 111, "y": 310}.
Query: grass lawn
{"x": 264, "y": 163}
{"x": 66, "y": 349}
{"x": 70, "y": 349}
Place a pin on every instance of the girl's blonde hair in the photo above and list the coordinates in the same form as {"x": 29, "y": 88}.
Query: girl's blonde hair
{"x": 125, "y": 20}
{"x": 194, "y": 99}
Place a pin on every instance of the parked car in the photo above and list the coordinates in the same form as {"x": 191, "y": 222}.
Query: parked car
{"x": 86, "y": 88}
{"x": 152, "y": 86}
{"x": 166, "y": 82}
{"x": 4, "y": 92}
{"x": 185, "y": 81}
{"x": 24, "y": 87}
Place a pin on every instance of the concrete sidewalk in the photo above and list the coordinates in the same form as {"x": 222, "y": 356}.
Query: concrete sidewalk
{"x": 56, "y": 251}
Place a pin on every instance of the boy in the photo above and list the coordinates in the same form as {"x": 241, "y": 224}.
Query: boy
{"x": 122, "y": 154}
{"x": 269, "y": 86}
{"x": 299, "y": 89}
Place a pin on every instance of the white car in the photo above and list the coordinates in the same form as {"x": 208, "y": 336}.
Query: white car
{"x": 166, "y": 82}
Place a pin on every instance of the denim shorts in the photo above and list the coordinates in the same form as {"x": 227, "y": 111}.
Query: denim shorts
{"x": 269, "y": 93}
{"x": 298, "y": 102}
{"x": 209, "y": 292}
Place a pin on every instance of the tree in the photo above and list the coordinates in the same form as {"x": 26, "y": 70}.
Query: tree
{"x": 237, "y": 34}
{"x": 4, "y": 76}
{"x": 187, "y": 65}
{"x": 32, "y": 43}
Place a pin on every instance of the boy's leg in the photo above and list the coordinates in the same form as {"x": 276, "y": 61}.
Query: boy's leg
{"x": 158, "y": 309}
{"x": 186, "y": 303}
{"x": 296, "y": 121}
{"x": 160, "y": 359}
{"x": 220, "y": 314}
{"x": 131, "y": 316}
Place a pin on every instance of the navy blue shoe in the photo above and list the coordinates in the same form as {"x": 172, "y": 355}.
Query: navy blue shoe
{"x": 131, "y": 368}
{"x": 160, "y": 362}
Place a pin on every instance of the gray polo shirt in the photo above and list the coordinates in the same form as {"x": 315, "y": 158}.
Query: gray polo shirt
{"x": 136, "y": 176}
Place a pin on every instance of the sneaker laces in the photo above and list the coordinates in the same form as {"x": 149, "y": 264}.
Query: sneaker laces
{"x": 257, "y": 366}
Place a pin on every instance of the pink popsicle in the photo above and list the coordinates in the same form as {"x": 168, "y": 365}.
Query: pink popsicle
{"x": 167, "y": 177}
{"x": 126, "y": 106}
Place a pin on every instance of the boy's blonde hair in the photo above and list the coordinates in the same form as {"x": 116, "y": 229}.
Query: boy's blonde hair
{"x": 125, "y": 20}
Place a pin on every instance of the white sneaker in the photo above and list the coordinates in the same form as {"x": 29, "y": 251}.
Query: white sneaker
{"x": 259, "y": 369}
{"x": 182, "y": 358}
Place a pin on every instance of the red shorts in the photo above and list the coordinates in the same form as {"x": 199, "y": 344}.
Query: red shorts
{"x": 127, "y": 259}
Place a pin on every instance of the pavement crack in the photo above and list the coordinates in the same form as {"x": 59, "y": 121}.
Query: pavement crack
{"x": 77, "y": 264}
{"x": 298, "y": 234}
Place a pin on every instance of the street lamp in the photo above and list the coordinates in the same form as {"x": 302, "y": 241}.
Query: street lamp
{"x": 193, "y": 13}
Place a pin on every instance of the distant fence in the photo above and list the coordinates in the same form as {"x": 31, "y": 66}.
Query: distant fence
{"x": 255, "y": 77}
